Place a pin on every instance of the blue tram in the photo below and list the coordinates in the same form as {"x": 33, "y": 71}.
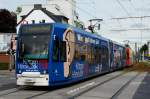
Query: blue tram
{"x": 55, "y": 54}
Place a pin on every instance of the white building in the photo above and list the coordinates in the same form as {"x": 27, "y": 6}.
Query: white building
{"x": 65, "y": 7}
{"x": 57, "y": 7}
{"x": 5, "y": 41}
{"x": 38, "y": 14}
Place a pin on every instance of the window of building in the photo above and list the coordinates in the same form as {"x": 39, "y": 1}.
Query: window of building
{"x": 33, "y": 21}
{"x": 43, "y": 21}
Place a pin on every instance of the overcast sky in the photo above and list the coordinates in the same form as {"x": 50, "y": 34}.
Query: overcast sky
{"x": 108, "y": 9}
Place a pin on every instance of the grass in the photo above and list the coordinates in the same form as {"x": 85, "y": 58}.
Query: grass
{"x": 4, "y": 66}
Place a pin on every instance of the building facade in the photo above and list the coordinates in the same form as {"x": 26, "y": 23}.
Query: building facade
{"x": 64, "y": 8}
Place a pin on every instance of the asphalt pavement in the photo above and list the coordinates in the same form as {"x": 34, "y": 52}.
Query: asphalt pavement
{"x": 7, "y": 80}
{"x": 138, "y": 88}
{"x": 132, "y": 85}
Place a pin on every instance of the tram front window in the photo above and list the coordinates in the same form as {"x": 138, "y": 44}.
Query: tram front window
{"x": 34, "y": 42}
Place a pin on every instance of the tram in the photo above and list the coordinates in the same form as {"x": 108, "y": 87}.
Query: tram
{"x": 52, "y": 54}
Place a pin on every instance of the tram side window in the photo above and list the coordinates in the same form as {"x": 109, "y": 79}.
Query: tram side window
{"x": 104, "y": 55}
{"x": 91, "y": 54}
{"x": 55, "y": 55}
{"x": 77, "y": 51}
{"x": 97, "y": 56}
{"x": 63, "y": 51}
{"x": 83, "y": 50}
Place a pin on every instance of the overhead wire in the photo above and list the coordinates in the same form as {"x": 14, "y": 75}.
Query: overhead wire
{"x": 122, "y": 6}
{"x": 86, "y": 12}
{"x": 124, "y": 9}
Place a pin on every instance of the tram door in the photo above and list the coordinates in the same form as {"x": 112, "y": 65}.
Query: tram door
{"x": 58, "y": 58}
{"x": 111, "y": 55}
{"x": 105, "y": 56}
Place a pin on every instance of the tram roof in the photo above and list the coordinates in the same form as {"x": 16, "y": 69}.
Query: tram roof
{"x": 82, "y": 32}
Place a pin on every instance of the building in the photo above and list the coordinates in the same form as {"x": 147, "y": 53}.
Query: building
{"x": 66, "y": 9}
{"x": 41, "y": 15}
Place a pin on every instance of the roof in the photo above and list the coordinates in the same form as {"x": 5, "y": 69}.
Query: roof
{"x": 56, "y": 18}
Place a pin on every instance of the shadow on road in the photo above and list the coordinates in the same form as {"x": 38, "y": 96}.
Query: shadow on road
{"x": 143, "y": 91}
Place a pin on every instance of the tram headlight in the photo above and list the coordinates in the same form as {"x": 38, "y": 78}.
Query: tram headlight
{"x": 44, "y": 72}
{"x": 19, "y": 71}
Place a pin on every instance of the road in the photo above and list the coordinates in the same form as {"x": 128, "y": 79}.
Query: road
{"x": 116, "y": 85}
{"x": 7, "y": 80}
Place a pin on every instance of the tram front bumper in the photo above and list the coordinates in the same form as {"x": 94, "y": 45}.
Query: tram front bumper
{"x": 41, "y": 80}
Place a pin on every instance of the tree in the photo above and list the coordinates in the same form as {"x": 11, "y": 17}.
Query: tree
{"x": 127, "y": 45}
{"x": 18, "y": 10}
{"x": 8, "y": 21}
{"x": 144, "y": 48}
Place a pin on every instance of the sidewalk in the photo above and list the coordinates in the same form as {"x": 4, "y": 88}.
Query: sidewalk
{"x": 7, "y": 72}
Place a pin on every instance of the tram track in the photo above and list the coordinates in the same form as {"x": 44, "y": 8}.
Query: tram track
{"x": 62, "y": 92}
{"x": 7, "y": 92}
{"x": 124, "y": 86}
{"x": 20, "y": 90}
{"x": 99, "y": 84}
{"x": 66, "y": 96}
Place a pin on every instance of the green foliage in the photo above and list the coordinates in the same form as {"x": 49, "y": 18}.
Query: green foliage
{"x": 144, "y": 48}
{"x": 18, "y": 10}
{"x": 79, "y": 24}
{"x": 127, "y": 45}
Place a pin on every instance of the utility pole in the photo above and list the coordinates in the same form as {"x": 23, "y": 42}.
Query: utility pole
{"x": 136, "y": 53}
{"x": 148, "y": 45}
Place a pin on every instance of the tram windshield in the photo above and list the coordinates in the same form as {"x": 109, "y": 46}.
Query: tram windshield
{"x": 34, "y": 41}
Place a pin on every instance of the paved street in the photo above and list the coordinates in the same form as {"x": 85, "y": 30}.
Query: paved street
{"x": 132, "y": 85}
{"x": 134, "y": 90}
{"x": 7, "y": 80}
{"x": 64, "y": 92}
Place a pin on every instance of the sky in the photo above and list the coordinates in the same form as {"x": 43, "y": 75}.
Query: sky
{"x": 116, "y": 29}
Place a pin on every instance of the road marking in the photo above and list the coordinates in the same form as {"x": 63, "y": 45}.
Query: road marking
{"x": 79, "y": 88}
